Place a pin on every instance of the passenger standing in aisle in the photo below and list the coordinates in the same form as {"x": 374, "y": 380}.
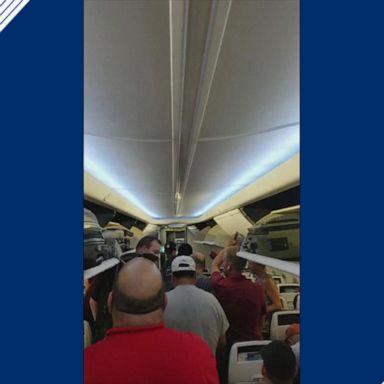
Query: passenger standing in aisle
{"x": 185, "y": 249}
{"x": 170, "y": 252}
{"x": 271, "y": 293}
{"x": 149, "y": 245}
{"x": 242, "y": 301}
{"x": 139, "y": 349}
{"x": 192, "y": 309}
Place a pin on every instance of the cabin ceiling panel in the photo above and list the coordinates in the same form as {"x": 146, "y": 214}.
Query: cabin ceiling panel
{"x": 132, "y": 162}
{"x": 139, "y": 171}
{"x": 233, "y": 115}
{"x": 127, "y": 74}
{"x": 256, "y": 83}
{"x": 233, "y": 164}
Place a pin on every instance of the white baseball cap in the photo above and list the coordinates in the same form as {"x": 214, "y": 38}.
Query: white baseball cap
{"x": 183, "y": 263}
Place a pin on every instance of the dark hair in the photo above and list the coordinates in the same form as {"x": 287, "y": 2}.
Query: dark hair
{"x": 180, "y": 274}
{"x": 185, "y": 250}
{"x": 146, "y": 242}
{"x": 124, "y": 303}
{"x": 279, "y": 362}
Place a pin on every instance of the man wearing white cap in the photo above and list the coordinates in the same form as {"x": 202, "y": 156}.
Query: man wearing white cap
{"x": 192, "y": 309}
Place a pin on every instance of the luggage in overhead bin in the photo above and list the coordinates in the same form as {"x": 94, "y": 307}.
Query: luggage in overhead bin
{"x": 275, "y": 235}
{"x": 95, "y": 249}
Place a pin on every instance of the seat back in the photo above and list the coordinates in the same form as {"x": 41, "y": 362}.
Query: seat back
{"x": 289, "y": 291}
{"x": 280, "y": 321}
{"x": 245, "y": 362}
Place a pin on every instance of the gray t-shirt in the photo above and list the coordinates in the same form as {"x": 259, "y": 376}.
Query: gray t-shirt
{"x": 191, "y": 309}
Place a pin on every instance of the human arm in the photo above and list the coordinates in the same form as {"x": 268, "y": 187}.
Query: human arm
{"x": 273, "y": 295}
{"x": 217, "y": 262}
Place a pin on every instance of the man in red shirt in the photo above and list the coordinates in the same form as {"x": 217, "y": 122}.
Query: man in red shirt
{"x": 242, "y": 301}
{"x": 139, "y": 349}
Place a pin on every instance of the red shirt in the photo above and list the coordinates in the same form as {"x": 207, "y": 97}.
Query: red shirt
{"x": 243, "y": 303}
{"x": 149, "y": 355}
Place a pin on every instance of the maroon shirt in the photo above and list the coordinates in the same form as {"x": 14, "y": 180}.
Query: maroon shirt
{"x": 149, "y": 355}
{"x": 243, "y": 303}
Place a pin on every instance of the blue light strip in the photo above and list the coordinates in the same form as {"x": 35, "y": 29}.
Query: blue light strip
{"x": 281, "y": 155}
{"x": 285, "y": 151}
{"x": 111, "y": 182}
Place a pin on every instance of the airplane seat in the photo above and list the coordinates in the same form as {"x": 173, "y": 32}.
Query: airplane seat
{"x": 283, "y": 303}
{"x": 87, "y": 334}
{"x": 289, "y": 291}
{"x": 280, "y": 321}
{"x": 245, "y": 362}
{"x": 296, "y": 301}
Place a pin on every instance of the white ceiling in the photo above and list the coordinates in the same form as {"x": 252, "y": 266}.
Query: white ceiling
{"x": 198, "y": 99}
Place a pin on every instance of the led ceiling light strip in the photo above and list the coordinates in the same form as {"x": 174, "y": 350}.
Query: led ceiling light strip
{"x": 108, "y": 179}
{"x": 291, "y": 148}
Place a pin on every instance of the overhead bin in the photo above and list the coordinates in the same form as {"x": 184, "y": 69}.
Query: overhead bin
{"x": 275, "y": 235}
{"x": 204, "y": 224}
{"x": 96, "y": 247}
{"x": 260, "y": 208}
{"x": 215, "y": 237}
{"x": 234, "y": 221}
{"x": 106, "y": 214}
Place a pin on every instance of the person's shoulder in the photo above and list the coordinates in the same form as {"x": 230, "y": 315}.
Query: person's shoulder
{"x": 206, "y": 296}
{"x": 268, "y": 280}
{"x": 254, "y": 286}
{"x": 95, "y": 349}
{"x": 190, "y": 340}
{"x": 216, "y": 277}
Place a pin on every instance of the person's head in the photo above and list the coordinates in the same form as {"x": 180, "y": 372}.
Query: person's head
{"x": 256, "y": 268}
{"x": 232, "y": 262}
{"x": 183, "y": 270}
{"x": 292, "y": 334}
{"x": 148, "y": 245}
{"x": 137, "y": 296}
{"x": 279, "y": 362}
{"x": 200, "y": 262}
{"x": 185, "y": 250}
{"x": 170, "y": 249}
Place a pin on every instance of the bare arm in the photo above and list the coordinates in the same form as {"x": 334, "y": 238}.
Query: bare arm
{"x": 273, "y": 295}
{"x": 217, "y": 261}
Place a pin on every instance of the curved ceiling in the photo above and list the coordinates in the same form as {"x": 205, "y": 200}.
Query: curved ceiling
{"x": 189, "y": 104}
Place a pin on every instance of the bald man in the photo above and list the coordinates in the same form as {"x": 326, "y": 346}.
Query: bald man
{"x": 139, "y": 349}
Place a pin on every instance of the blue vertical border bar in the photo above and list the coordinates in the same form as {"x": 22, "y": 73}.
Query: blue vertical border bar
{"x": 41, "y": 193}
{"x": 341, "y": 192}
